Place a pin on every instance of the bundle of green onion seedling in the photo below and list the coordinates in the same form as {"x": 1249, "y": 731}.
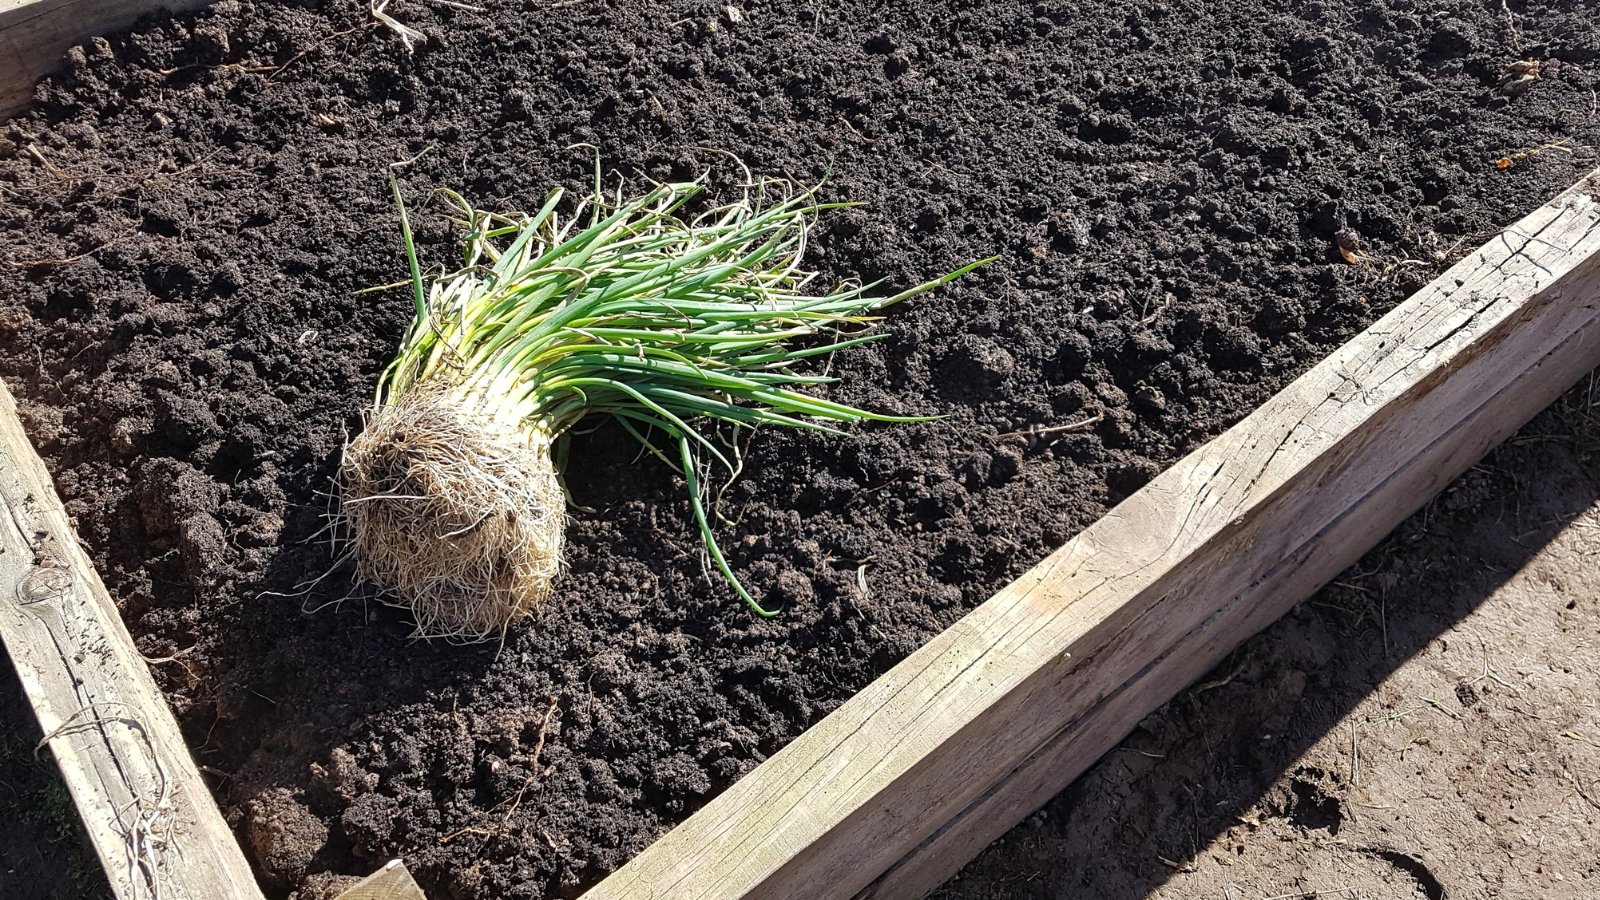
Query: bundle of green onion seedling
{"x": 665, "y": 321}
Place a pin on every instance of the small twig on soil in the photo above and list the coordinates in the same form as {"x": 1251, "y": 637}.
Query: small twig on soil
{"x": 397, "y": 165}
{"x": 37, "y": 154}
{"x": 1300, "y": 895}
{"x": 177, "y": 657}
{"x": 1218, "y": 682}
{"x": 1355, "y": 758}
{"x": 454, "y": 5}
{"x": 1439, "y": 706}
{"x": 1516, "y": 156}
{"x": 846, "y": 123}
{"x": 1577, "y": 785}
{"x": 1511, "y": 25}
{"x": 1490, "y": 674}
{"x": 1070, "y": 426}
{"x": 1525, "y": 712}
{"x": 174, "y": 657}
{"x": 516, "y": 801}
{"x": 240, "y": 68}
{"x": 67, "y": 261}
{"x": 1399, "y": 715}
{"x": 544, "y": 730}
{"x": 144, "y": 179}
{"x": 1185, "y": 867}
{"x": 1147, "y": 315}
{"x": 533, "y": 764}
{"x": 1594, "y": 97}
{"x": 1581, "y": 739}
{"x": 317, "y": 46}
{"x": 862, "y": 593}
{"x": 1383, "y": 618}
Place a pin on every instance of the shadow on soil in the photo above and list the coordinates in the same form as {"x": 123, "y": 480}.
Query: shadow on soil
{"x": 1231, "y": 748}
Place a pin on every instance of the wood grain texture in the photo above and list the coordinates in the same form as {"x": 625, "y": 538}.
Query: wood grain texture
{"x": 901, "y": 785}
{"x": 392, "y": 882}
{"x": 34, "y": 34}
{"x": 1298, "y": 574}
{"x": 153, "y": 823}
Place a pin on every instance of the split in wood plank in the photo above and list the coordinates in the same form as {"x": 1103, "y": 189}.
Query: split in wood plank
{"x": 152, "y": 821}
{"x": 899, "y": 787}
{"x": 35, "y": 34}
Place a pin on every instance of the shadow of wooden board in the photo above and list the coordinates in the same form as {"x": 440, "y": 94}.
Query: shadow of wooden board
{"x": 34, "y": 35}
{"x": 894, "y": 791}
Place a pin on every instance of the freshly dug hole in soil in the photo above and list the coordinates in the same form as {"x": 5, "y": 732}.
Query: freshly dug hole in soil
{"x": 1165, "y": 187}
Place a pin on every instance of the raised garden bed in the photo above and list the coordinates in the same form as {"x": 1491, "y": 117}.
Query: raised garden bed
{"x": 196, "y": 203}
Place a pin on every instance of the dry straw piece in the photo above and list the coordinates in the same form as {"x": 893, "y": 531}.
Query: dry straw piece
{"x": 635, "y": 309}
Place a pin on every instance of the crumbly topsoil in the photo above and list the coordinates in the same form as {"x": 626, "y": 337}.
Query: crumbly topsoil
{"x": 191, "y": 207}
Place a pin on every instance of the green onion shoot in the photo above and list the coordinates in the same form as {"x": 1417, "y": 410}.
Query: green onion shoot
{"x": 663, "y": 312}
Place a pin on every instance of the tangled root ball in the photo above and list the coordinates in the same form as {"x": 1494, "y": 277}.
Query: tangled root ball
{"x": 455, "y": 512}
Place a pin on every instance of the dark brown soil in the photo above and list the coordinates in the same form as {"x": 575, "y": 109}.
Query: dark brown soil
{"x": 192, "y": 206}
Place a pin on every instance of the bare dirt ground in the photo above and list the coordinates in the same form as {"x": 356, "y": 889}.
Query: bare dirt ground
{"x": 1427, "y": 726}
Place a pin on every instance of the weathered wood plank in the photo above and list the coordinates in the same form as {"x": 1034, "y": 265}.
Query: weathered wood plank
{"x": 35, "y": 33}
{"x": 392, "y": 882}
{"x": 150, "y": 817}
{"x": 1297, "y": 575}
{"x": 901, "y": 785}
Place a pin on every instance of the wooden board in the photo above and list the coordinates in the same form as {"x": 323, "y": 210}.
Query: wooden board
{"x": 150, "y": 817}
{"x": 899, "y": 787}
{"x": 392, "y": 882}
{"x": 35, "y": 33}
